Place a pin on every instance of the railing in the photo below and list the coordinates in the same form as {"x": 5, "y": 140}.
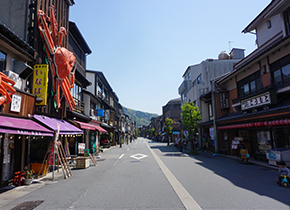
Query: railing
{"x": 259, "y": 91}
{"x": 80, "y": 106}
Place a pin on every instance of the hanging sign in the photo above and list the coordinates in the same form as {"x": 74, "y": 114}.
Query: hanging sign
{"x": 100, "y": 112}
{"x": 39, "y": 85}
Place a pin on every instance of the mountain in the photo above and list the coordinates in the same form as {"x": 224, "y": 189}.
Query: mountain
{"x": 141, "y": 118}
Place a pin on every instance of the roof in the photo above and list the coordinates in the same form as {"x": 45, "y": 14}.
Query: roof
{"x": 73, "y": 29}
{"x": 15, "y": 41}
{"x": 260, "y": 17}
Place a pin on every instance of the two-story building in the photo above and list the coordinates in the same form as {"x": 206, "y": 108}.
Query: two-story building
{"x": 258, "y": 111}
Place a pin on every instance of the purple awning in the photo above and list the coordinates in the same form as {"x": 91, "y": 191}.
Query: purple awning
{"x": 22, "y": 126}
{"x": 65, "y": 127}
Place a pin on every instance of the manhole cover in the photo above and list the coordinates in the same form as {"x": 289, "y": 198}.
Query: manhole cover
{"x": 28, "y": 205}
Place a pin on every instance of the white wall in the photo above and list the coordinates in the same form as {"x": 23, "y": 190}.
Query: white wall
{"x": 91, "y": 78}
{"x": 264, "y": 33}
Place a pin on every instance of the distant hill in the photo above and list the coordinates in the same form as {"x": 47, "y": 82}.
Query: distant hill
{"x": 141, "y": 118}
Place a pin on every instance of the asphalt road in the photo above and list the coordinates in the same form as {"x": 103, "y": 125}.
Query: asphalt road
{"x": 150, "y": 175}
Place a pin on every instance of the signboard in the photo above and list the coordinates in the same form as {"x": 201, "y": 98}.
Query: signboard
{"x": 92, "y": 142}
{"x": 107, "y": 114}
{"x": 224, "y": 99}
{"x": 100, "y": 112}
{"x": 39, "y": 85}
{"x": 258, "y": 100}
{"x": 15, "y": 103}
{"x": 81, "y": 148}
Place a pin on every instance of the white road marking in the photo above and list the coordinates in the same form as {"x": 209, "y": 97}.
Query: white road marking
{"x": 187, "y": 200}
{"x": 138, "y": 156}
{"x": 118, "y": 159}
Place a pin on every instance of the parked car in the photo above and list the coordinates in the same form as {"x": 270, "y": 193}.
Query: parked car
{"x": 105, "y": 142}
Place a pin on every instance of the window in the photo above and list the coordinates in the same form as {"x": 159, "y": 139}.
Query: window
{"x": 76, "y": 92}
{"x": 2, "y": 61}
{"x": 287, "y": 20}
{"x": 280, "y": 70}
{"x": 199, "y": 80}
{"x": 250, "y": 84}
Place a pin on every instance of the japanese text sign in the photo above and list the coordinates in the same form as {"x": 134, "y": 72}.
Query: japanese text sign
{"x": 39, "y": 87}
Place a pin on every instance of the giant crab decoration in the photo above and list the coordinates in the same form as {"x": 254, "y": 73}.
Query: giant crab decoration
{"x": 60, "y": 59}
{"x": 6, "y": 90}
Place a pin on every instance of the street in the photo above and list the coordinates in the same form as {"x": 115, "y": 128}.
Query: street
{"x": 152, "y": 175}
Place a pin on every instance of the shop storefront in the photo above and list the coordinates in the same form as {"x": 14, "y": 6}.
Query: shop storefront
{"x": 16, "y": 135}
{"x": 69, "y": 135}
{"x": 257, "y": 137}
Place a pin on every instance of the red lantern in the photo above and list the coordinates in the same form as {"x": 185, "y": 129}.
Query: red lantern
{"x": 251, "y": 124}
{"x": 259, "y": 124}
{"x": 265, "y": 123}
{"x": 273, "y": 122}
{"x": 270, "y": 123}
{"x": 286, "y": 122}
{"x": 277, "y": 122}
{"x": 281, "y": 122}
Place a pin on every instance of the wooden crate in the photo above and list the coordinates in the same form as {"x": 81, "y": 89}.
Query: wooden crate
{"x": 82, "y": 162}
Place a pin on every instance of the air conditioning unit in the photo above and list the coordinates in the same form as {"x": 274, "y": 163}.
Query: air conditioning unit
{"x": 19, "y": 83}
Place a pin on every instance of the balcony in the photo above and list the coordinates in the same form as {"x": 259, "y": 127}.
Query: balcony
{"x": 184, "y": 86}
{"x": 80, "y": 106}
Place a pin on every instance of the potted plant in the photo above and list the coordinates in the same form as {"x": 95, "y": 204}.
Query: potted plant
{"x": 28, "y": 175}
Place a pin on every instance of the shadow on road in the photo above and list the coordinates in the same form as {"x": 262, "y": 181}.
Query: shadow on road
{"x": 255, "y": 178}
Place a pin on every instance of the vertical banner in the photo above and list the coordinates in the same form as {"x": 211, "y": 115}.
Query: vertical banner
{"x": 93, "y": 142}
{"x": 39, "y": 85}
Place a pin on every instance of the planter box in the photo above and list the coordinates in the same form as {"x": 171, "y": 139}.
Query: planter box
{"x": 82, "y": 162}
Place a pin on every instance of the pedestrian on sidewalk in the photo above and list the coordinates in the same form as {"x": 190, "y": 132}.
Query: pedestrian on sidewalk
{"x": 284, "y": 171}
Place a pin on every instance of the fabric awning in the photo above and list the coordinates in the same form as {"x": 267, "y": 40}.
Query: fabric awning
{"x": 99, "y": 128}
{"x": 86, "y": 125}
{"x": 22, "y": 126}
{"x": 65, "y": 127}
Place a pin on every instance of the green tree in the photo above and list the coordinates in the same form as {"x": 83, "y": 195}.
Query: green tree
{"x": 152, "y": 131}
{"x": 190, "y": 117}
{"x": 168, "y": 128}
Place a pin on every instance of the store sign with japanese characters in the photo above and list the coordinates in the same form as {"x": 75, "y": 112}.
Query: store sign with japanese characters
{"x": 39, "y": 87}
{"x": 15, "y": 103}
{"x": 258, "y": 100}
{"x": 224, "y": 99}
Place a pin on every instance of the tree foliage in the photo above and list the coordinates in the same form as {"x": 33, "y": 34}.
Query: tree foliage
{"x": 168, "y": 128}
{"x": 190, "y": 117}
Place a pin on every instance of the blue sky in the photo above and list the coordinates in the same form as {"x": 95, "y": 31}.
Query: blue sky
{"x": 143, "y": 47}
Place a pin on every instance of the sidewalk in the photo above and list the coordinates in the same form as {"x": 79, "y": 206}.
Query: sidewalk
{"x": 10, "y": 193}
{"x": 250, "y": 161}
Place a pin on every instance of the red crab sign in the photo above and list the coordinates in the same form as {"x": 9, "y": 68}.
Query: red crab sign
{"x": 6, "y": 90}
{"x": 61, "y": 60}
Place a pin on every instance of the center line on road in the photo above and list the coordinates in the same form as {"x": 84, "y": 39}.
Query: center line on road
{"x": 187, "y": 200}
